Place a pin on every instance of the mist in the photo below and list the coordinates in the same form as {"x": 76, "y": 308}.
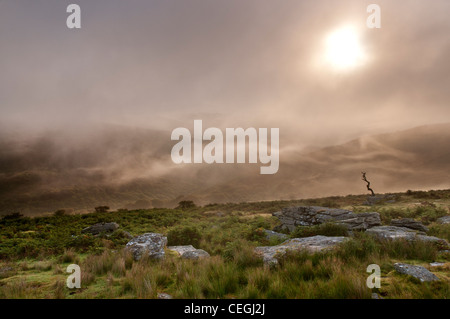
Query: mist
{"x": 96, "y": 106}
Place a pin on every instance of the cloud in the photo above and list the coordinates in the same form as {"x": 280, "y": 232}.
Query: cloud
{"x": 233, "y": 63}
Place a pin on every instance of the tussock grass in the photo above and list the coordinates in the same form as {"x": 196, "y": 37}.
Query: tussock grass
{"x": 17, "y": 290}
{"x": 39, "y": 249}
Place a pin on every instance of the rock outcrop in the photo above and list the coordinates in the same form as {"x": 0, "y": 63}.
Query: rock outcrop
{"x": 100, "y": 228}
{"x": 444, "y": 220}
{"x": 394, "y": 232}
{"x": 409, "y": 223}
{"x": 189, "y": 252}
{"x": 151, "y": 244}
{"x": 270, "y": 254}
{"x": 417, "y": 272}
{"x": 292, "y": 217}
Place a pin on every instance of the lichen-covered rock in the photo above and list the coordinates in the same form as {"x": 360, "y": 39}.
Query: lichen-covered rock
{"x": 409, "y": 223}
{"x": 444, "y": 220}
{"x": 189, "y": 252}
{"x": 100, "y": 228}
{"x": 270, "y": 254}
{"x": 180, "y": 250}
{"x": 395, "y": 233}
{"x": 195, "y": 254}
{"x": 292, "y": 217}
{"x": 152, "y": 244}
{"x": 417, "y": 272}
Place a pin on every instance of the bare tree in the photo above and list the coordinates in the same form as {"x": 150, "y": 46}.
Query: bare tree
{"x": 368, "y": 183}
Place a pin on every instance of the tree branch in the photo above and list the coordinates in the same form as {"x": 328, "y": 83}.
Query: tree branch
{"x": 368, "y": 183}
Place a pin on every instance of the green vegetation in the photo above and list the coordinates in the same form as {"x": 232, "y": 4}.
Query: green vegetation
{"x": 327, "y": 229}
{"x": 35, "y": 252}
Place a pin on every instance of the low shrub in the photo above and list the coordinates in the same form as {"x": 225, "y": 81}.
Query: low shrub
{"x": 184, "y": 235}
{"x": 326, "y": 229}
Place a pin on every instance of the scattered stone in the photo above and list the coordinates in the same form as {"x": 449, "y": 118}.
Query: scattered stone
{"x": 150, "y": 243}
{"x": 100, "y": 228}
{"x": 376, "y": 296}
{"x": 292, "y": 217}
{"x": 394, "y": 232}
{"x": 181, "y": 249}
{"x": 163, "y": 295}
{"x": 442, "y": 243}
{"x": 409, "y": 223}
{"x": 271, "y": 234}
{"x": 437, "y": 264}
{"x": 444, "y": 220}
{"x": 189, "y": 252}
{"x": 313, "y": 244}
{"x": 196, "y": 254}
{"x": 417, "y": 272}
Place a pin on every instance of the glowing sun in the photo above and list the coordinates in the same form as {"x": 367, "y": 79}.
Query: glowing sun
{"x": 343, "y": 49}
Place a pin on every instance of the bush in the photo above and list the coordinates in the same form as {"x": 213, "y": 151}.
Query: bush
{"x": 102, "y": 209}
{"x": 59, "y": 213}
{"x": 186, "y": 204}
{"x": 184, "y": 235}
{"x": 83, "y": 242}
{"x": 69, "y": 256}
{"x": 12, "y": 216}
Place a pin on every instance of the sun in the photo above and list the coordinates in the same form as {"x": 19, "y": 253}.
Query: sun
{"x": 343, "y": 49}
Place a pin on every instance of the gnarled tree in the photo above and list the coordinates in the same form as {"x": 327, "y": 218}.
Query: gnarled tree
{"x": 368, "y": 183}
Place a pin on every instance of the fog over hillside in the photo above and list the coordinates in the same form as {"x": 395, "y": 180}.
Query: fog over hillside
{"x": 127, "y": 168}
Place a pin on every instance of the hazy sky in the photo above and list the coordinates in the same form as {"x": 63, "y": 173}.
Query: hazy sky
{"x": 234, "y": 63}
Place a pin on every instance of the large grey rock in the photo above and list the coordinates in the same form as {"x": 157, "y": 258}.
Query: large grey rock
{"x": 292, "y": 217}
{"x": 100, "y": 228}
{"x": 189, "y": 252}
{"x": 270, "y": 254}
{"x": 444, "y": 220}
{"x": 150, "y": 243}
{"x": 418, "y": 272}
{"x": 409, "y": 223}
{"x": 394, "y": 233}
